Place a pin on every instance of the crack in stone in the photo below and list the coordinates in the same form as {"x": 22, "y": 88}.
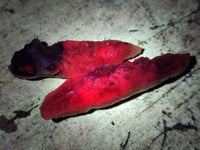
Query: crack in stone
{"x": 123, "y": 146}
{"x": 174, "y": 23}
{"x": 9, "y": 125}
{"x": 178, "y": 126}
{"x": 138, "y": 115}
{"x": 186, "y": 100}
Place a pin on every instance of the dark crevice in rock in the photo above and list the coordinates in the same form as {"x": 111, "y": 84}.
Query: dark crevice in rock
{"x": 9, "y": 125}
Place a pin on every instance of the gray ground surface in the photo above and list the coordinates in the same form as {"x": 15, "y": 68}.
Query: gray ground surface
{"x": 165, "y": 118}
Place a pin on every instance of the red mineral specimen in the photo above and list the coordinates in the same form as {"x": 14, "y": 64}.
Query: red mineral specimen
{"x": 108, "y": 84}
{"x": 79, "y": 57}
{"x": 68, "y": 58}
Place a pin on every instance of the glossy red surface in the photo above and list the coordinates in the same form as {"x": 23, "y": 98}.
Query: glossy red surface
{"x": 108, "y": 84}
{"x": 81, "y": 56}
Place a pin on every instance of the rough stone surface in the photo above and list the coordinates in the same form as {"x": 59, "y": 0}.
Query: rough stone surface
{"x": 167, "y": 117}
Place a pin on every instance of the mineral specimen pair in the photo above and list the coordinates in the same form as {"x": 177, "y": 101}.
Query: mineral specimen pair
{"x": 98, "y": 75}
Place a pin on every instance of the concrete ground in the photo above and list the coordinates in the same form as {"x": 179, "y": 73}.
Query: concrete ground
{"x": 167, "y": 117}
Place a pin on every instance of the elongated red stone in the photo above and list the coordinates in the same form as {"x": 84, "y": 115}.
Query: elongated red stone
{"x": 79, "y": 57}
{"x": 108, "y": 84}
{"x": 67, "y": 59}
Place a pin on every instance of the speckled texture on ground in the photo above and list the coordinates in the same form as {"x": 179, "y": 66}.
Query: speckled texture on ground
{"x": 167, "y": 117}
